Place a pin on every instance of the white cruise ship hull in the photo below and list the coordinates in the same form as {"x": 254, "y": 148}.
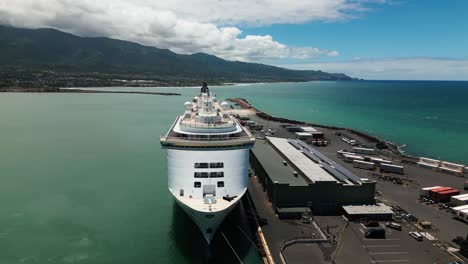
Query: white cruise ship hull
{"x": 204, "y": 198}
{"x": 203, "y": 223}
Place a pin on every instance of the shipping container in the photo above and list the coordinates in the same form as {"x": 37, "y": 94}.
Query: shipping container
{"x": 429, "y": 163}
{"x": 459, "y": 200}
{"x": 445, "y": 195}
{"x": 341, "y": 153}
{"x": 433, "y": 192}
{"x": 456, "y": 210}
{"x": 366, "y": 151}
{"x": 351, "y": 158}
{"x": 463, "y": 214}
{"x": 391, "y": 168}
{"x": 379, "y": 161}
{"x": 363, "y": 165}
{"x": 424, "y": 192}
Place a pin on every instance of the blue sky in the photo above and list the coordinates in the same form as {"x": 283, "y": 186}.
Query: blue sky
{"x": 431, "y": 28}
{"x": 370, "y": 39}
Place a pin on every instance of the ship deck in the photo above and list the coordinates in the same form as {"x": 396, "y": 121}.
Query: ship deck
{"x": 242, "y": 138}
{"x": 200, "y": 205}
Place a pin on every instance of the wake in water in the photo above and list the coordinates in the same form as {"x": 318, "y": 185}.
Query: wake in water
{"x": 400, "y": 148}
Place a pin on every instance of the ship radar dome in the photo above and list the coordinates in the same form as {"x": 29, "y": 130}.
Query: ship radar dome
{"x": 188, "y": 105}
{"x": 224, "y": 105}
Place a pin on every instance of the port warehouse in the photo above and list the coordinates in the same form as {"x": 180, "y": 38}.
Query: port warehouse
{"x": 296, "y": 175}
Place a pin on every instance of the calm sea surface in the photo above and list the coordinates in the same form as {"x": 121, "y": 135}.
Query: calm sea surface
{"x": 83, "y": 179}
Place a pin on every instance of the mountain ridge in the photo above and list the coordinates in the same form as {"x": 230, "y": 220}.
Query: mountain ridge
{"x": 50, "y": 53}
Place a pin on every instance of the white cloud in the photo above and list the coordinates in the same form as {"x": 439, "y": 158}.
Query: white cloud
{"x": 183, "y": 26}
{"x": 395, "y": 69}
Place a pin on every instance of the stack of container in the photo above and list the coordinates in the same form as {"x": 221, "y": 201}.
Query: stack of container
{"x": 442, "y": 194}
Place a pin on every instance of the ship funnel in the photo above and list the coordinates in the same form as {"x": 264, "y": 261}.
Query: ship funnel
{"x": 205, "y": 89}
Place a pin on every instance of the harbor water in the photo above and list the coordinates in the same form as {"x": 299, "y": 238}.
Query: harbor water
{"x": 83, "y": 178}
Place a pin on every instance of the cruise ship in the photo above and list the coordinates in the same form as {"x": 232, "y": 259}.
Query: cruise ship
{"x": 207, "y": 161}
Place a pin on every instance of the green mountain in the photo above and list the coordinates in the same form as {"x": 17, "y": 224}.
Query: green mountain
{"x": 28, "y": 52}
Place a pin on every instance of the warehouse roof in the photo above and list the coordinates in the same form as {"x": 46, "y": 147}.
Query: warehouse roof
{"x": 310, "y": 169}
{"x": 378, "y": 208}
{"x": 272, "y": 162}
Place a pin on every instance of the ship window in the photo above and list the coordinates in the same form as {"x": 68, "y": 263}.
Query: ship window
{"x": 220, "y": 184}
{"x": 197, "y": 184}
{"x": 181, "y": 192}
{"x": 216, "y": 165}
{"x": 201, "y": 165}
{"x": 216, "y": 174}
{"x": 198, "y": 174}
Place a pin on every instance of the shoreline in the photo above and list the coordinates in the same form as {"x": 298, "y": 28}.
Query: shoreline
{"x": 77, "y": 90}
{"x": 394, "y": 148}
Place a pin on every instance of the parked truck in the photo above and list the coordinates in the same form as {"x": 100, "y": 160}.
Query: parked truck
{"x": 363, "y": 165}
{"x": 367, "y": 151}
{"x": 392, "y": 168}
{"x": 351, "y": 158}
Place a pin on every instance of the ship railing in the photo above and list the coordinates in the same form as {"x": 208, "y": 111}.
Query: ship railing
{"x": 207, "y": 125}
{"x": 209, "y": 139}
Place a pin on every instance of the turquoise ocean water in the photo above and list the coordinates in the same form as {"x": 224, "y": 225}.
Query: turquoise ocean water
{"x": 83, "y": 179}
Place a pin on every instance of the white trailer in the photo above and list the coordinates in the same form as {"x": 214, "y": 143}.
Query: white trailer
{"x": 351, "y": 158}
{"x": 425, "y": 191}
{"x": 459, "y": 200}
{"x": 391, "y": 168}
{"x": 363, "y": 165}
{"x": 352, "y": 142}
{"x": 366, "y": 151}
{"x": 379, "y": 161}
{"x": 456, "y": 210}
{"x": 463, "y": 214}
{"x": 340, "y": 153}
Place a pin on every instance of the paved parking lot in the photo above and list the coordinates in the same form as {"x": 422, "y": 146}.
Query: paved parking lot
{"x": 398, "y": 247}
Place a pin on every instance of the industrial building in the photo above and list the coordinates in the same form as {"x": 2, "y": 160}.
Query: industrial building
{"x": 379, "y": 211}
{"x": 296, "y": 175}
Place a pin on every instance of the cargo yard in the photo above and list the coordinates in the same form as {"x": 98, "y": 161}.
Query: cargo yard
{"x": 354, "y": 190}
